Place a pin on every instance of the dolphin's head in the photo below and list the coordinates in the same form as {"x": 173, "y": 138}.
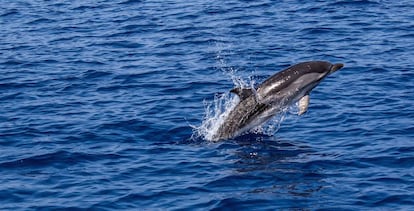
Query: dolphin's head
{"x": 335, "y": 67}
{"x": 323, "y": 67}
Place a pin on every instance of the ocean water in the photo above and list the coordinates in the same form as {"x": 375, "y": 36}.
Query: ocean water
{"x": 100, "y": 101}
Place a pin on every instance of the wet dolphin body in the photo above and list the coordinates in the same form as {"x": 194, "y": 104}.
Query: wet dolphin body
{"x": 256, "y": 106}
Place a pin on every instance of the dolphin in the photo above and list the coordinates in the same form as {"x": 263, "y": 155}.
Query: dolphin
{"x": 289, "y": 86}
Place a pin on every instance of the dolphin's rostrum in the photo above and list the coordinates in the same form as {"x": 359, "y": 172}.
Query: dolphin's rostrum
{"x": 256, "y": 106}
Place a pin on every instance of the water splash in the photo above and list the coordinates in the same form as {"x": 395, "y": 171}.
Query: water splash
{"x": 214, "y": 115}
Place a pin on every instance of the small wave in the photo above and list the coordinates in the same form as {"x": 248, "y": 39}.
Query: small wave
{"x": 131, "y": 2}
{"x": 56, "y": 158}
{"x": 354, "y": 3}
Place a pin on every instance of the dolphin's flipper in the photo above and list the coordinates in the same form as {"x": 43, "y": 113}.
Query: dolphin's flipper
{"x": 242, "y": 93}
{"x": 303, "y": 104}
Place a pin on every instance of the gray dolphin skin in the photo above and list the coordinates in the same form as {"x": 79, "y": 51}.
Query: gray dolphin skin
{"x": 289, "y": 86}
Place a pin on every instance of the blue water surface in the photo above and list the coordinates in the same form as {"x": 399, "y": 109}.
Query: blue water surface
{"x": 98, "y": 100}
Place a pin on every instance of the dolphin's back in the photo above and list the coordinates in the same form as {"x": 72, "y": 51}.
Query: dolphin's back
{"x": 286, "y": 77}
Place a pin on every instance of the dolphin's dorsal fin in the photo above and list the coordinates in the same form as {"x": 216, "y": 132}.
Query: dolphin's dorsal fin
{"x": 243, "y": 93}
{"x": 303, "y": 104}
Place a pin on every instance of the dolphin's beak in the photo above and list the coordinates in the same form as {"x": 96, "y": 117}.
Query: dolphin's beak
{"x": 336, "y": 67}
